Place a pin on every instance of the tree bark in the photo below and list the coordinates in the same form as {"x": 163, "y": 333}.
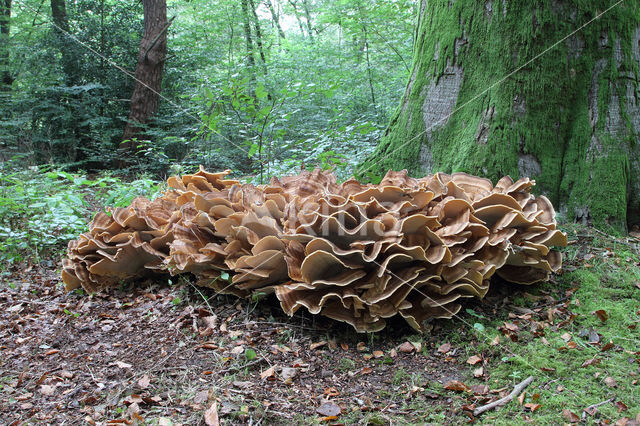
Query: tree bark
{"x": 251, "y": 62}
{"x": 307, "y": 15}
{"x": 256, "y": 24}
{"x": 151, "y": 57}
{"x": 570, "y": 118}
{"x": 69, "y": 63}
{"x": 6, "y": 79}
{"x": 276, "y": 18}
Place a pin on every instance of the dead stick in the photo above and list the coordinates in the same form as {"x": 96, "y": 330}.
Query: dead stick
{"x": 516, "y": 391}
{"x": 591, "y": 407}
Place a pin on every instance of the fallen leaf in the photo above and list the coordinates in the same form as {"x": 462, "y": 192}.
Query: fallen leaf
{"x": 406, "y": 347}
{"x": 52, "y": 351}
{"x": 478, "y": 372}
{"x": 328, "y": 409}
{"x": 331, "y": 392}
{"x": 495, "y": 341}
{"x": 211, "y": 415}
{"x": 473, "y": 360}
{"x": 521, "y": 398}
{"x": 66, "y": 374}
{"x": 566, "y": 337}
{"x": 592, "y": 361}
{"x": 47, "y": 390}
{"x": 316, "y": 345}
{"x": 570, "y": 416}
{"x": 366, "y": 370}
{"x": 165, "y": 421}
{"x": 444, "y": 348}
{"x": 267, "y": 373}
{"x": 237, "y": 350}
{"x": 550, "y": 369}
{"x": 621, "y": 406}
{"x": 393, "y": 353}
{"x": 144, "y": 382}
{"x": 602, "y": 315}
{"x": 288, "y": 373}
{"x": 607, "y": 346}
{"x": 479, "y": 389}
{"x": 123, "y": 364}
{"x": 201, "y": 397}
{"x": 344, "y": 346}
{"x": 361, "y": 347}
{"x": 531, "y": 406}
{"x": 456, "y": 385}
{"x": 210, "y": 321}
{"x": 611, "y": 382}
{"x": 378, "y": 354}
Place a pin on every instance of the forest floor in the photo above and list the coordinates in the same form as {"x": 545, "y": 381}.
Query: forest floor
{"x": 170, "y": 353}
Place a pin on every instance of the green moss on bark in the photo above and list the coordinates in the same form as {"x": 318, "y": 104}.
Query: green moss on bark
{"x": 562, "y": 119}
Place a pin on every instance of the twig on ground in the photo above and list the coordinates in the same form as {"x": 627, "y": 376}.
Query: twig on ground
{"x": 516, "y": 391}
{"x": 591, "y": 407}
{"x": 240, "y": 367}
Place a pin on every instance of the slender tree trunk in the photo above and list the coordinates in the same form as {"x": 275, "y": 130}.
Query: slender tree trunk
{"x": 256, "y": 24}
{"x": 69, "y": 63}
{"x": 6, "y": 80}
{"x": 307, "y": 15}
{"x": 297, "y": 15}
{"x": 276, "y": 19}
{"x": 251, "y": 62}
{"x": 151, "y": 57}
{"x": 480, "y": 100}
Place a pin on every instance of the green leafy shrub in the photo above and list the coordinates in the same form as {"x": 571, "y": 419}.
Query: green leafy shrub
{"x": 42, "y": 209}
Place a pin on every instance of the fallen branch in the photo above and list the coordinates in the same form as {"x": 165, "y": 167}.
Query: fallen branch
{"x": 592, "y": 407}
{"x": 516, "y": 391}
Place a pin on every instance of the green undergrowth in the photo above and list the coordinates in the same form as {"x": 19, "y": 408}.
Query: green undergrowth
{"x": 596, "y": 298}
{"x": 42, "y": 208}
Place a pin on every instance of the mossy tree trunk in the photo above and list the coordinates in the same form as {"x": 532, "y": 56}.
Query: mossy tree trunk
{"x": 569, "y": 118}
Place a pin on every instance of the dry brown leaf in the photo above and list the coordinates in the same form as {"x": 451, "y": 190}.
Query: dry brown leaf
{"x": 456, "y": 385}
{"x": 444, "y": 348}
{"x": 602, "y": 315}
{"x": 478, "y": 372}
{"x": 328, "y": 409}
{"x": 269, "y": 372}
{"x": 473, "y": 360}
{"x": 317, "y": 345}
{"x": 406, "y": 347}
{"x": 211, "y": 415}
{"x": 123, "y": 365}
{"x": 531, "y": 406}
{"x": 144, "y": 382}
{"x": 570, "y": 416}
{"x": 495, "y": 341}
{"x": 521, "y": 398}
{"x": 378, "y": 354}
{"x": 47, "y": 390}
{"x": 591, "y": 361}
{"x": 611, "y": 382}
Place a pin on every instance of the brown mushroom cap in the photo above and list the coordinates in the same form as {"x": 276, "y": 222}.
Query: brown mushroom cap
{"x": 358, "y": 253}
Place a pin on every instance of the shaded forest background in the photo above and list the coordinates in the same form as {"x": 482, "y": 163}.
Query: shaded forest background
{"x": 277, "y": 83}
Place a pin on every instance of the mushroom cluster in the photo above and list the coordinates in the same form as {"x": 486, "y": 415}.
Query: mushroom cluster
{"x": 358, "y": 253}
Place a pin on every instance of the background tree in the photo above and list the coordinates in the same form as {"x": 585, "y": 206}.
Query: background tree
{"x": 569, "y": 118}
{"x": 5, "y": 29}
{"x": 148, "y": 75}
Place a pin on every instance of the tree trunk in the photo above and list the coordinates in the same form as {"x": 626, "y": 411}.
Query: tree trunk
{"x": 151, "y": 58}
{"x": 307, "y": 16}
{"x": 256, "y": 24}
{"x": 276, "y": 18}
{"x": 483, "y": 98}
{"x": 251, "y": 62}
{"x": 5, "y": 28}
{"x": 69, "y": 63}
